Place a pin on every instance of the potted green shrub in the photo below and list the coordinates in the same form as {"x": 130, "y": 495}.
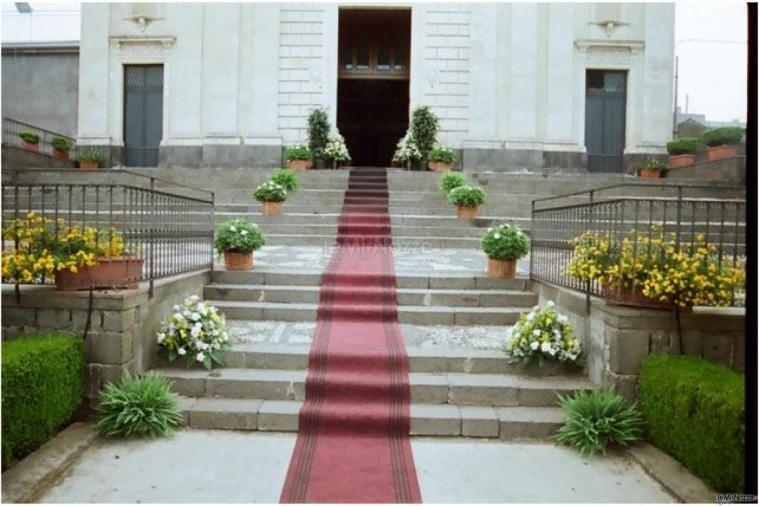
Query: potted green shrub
{"x": 286, "y": 178}
{"x": 503, "y": 246}
{"x": 682, "y": 152}
{"x": 318, "y": 134}
{"x": 237, "y": 240}
{"x": 468, "y": 200}
{"x": 61, "y": 148}
{"x": 723, "y": 142}
{"x": 441, "y": 158}
{"x": 298, "y": 157}
{"x": 451, "y": 180}
{"x": 424, "y": 126}
{"x": 651, "y": 169}
{"x": 271, "y": 195}
{"x": 90, "y": 159}
{"x": 29, "y": 140}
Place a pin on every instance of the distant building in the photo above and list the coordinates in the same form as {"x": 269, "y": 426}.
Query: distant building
{"x": 692, "y": 124}
{"x": 576, "y": 86}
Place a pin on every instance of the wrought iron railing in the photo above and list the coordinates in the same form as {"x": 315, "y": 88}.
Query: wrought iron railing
{"x": 627, "y": 220}
{"x": 12, "y": 129}
{"x": 168, "y": 228}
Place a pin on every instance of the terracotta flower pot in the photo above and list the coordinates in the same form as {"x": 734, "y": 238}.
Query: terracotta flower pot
{"x": 650, "y": 173}
{"x": 676, "y": 161}
{"x": 440, "y": 166}
{"x": 271, "y": 208}
{"x": 722, "y": 152}
{"x": 30, "y": 146}
{"x": 467, "y": 213}
{"x": 88, "y": 165}
{"x": 502, "y": 268}
{"x": 60, "y": 154}
{"x": 300, "y": 164}
{"x": 236, "y": 261}
{"x": 109, "y": 273}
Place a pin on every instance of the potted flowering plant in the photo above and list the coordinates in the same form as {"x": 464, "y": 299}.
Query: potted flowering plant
{"x": 407, "y": 152}
{"x": 451, "y": 180}
{"x": 652, "y": 169}
{"x": 286, "y": 178}
{"x": 298, "y": 157}
{"x": 468, "y": 200}
{"x": 271, "y": 195}
{"x": 503, "y": 246}
{"x": 196, "y": 332}
{"x": 90, "y": 159}
{"x": 723, "y": 142}
{"x": 682, "y": 152}
{"x": 61, "y": 148}
{"x": 540, "y": 335}
{"x": 441, "y": 158}
{"x": 76, "y": 257}
{"x": 29, "y": 140}
{"x": 237, "y": 240}
{"x": 336, "y": 151}
{"x": 649, "y": 270}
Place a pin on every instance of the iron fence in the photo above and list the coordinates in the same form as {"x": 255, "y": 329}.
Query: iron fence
{"x": 162, "y": 228}
{"x": 12, "y": 129}
{"x": 639, "y": 226}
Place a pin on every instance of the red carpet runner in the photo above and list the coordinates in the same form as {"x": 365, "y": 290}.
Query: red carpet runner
{"x": 353, "y": 443}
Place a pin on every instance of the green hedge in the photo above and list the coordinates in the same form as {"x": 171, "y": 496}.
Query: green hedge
{"x": 694, "y": 410}
{"x": 43, "y": 383}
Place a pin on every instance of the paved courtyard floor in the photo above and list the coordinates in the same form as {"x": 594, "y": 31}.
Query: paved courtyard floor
{"x": 224, "y": 466}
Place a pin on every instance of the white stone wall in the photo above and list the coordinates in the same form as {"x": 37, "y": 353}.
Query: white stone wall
{"x": 498, "y": 75}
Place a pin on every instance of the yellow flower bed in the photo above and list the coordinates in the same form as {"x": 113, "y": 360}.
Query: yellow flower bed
{"x": 44, "y": 248}
{"x": 653, "y": 265}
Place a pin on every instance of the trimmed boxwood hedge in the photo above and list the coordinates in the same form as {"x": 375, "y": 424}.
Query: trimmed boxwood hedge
{"x": 43, "y": 383}
{"x": 694, "y": 410}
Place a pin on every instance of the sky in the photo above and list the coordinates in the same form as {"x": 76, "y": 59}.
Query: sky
{"x": 712, "y": 74}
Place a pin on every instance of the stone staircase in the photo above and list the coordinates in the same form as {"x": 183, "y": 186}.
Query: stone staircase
{"x": 473, "y": 393}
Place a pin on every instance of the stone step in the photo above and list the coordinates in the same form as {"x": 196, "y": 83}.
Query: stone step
{"x": 405, "y": 296}
{"x": 398, "y": 241}
{"x": 459, "y": 389}
{"x": 419, "y": 315}
{"x": 313, "y": 278}
{"x": 421, "y": 360}
{"x": 426, "y": 419}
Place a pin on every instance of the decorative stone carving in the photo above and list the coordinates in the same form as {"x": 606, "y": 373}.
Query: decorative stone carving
{"x": 148, "y": 47}
{"x": 603, "y": 51}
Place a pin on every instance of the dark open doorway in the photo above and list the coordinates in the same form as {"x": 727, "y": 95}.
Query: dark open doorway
{"x": 373, "y": 82}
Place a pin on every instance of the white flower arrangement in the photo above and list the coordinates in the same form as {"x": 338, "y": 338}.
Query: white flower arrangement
{"x": 542, "y": 334}
{"x": 336, "y": 149}
{"x": 407, "y": 150}
{"x": 196, "y": 331}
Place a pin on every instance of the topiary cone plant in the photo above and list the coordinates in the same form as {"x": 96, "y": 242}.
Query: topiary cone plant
{"x": 318, "y": 134}
{"x": 424, "y": 126}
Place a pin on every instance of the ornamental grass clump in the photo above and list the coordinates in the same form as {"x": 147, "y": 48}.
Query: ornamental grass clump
{"x": 467, "y": 196}
{"x": 286, "y": 178}
{"x": 540, "y": 335}
{"x": 196, "y": 332}
{"x": 451, "y": 180}
{"x": 506, "y": 242}
{"x": 270, "y": 192}
{"x": 692, "y": 274}
{"x": 238, "y": 235}
{"x": 46, "y": 247}
{"x": 594, "y": 420}
{"x": 138, "y": 407}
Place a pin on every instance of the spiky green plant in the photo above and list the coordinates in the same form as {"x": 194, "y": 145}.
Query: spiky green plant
{"x": 144, "y": 406}
{"x": 597, "y": 419}
{"x": 286, "y": 178}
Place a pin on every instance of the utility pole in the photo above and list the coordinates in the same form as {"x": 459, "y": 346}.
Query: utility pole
{"x": 674, "y": 116}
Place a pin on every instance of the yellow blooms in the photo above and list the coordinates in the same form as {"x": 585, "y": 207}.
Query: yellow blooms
{"x": 651, "y": 264}
{"x": 41, "y": 247}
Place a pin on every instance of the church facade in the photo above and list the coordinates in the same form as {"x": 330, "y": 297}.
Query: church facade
{"x": 578, "y": 87}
